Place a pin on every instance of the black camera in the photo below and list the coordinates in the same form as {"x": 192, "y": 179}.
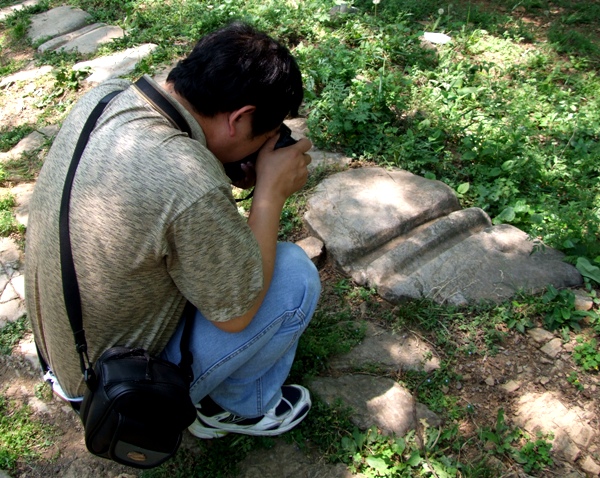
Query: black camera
{"x": 234, "y": 170}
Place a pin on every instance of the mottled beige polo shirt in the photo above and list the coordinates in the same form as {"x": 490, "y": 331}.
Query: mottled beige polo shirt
{"x": 153, "y": 223}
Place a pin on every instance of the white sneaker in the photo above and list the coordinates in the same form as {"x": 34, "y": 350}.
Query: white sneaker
{"x": 214, "y": 422}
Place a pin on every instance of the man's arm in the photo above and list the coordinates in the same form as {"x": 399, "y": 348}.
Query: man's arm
{"x": 280, "y": 173}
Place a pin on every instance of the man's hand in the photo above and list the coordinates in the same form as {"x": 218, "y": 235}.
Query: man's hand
{"x": 281, "y": 172}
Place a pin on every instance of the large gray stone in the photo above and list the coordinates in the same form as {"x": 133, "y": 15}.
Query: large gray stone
{"x": 407, "y": 237}
{"x": 32, "y": 142}
{"x": 359, "y": 210}
{"x": 113, "y": 66}
{"x": 405, "y": 254}
{"x": 494, "y": 265}
{"x": 26, "y": 75}
{"x": 22, "y": 193}
{"x": 375, "y": 401}
{"x": 56, "y": 42}
{"x": 90, "y": 41}
{"x": 58, "y": 21}
{"x": 7, "y": 11}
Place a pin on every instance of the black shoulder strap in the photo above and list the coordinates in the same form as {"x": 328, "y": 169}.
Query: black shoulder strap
{"x": 67, "y": 267}
{"x": 69, "y": 277}
{"x": 156, "y": 98}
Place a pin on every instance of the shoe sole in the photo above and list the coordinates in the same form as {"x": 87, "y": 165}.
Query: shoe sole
{"x": 206, "y": 431}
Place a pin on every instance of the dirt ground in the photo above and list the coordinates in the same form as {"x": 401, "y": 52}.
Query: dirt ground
{"x": 483, "y": 388}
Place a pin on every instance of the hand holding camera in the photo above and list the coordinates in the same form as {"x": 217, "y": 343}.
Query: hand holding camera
{"x": 238, "y": 171}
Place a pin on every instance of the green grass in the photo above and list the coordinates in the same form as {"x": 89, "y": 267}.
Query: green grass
{"x": 11, "y": 333}
{"x": 21, "y": 437}
{"x": 506, "y": 114}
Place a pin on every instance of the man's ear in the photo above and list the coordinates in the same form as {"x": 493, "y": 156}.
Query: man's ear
{"x": 241, "y": 118}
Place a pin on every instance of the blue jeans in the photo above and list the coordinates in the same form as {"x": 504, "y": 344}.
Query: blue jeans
{"x": 243, "y": 372}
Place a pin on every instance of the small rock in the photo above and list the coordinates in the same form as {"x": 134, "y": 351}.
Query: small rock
{"x": 38, "y": 406}
{"x": 552, "y": 348}
{"x": 510, "y": 386}
{"x": 490, "y": 381}
{"x": 564, "y": 446}
{"x": 49, "y": 131}
{"x": 545, "y": 360}
{"x": 313, "y": 248}
{"x": 544, "y": 380}
{"x": 342, "y": 8}
{"x": 590, "y": 466}
{"x": 583, "y": 301}
{"x": 540, "y": 335}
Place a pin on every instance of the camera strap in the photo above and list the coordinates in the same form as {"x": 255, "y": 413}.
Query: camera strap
{"x": 70, "y": 284}
{"x": 164, "y": 107}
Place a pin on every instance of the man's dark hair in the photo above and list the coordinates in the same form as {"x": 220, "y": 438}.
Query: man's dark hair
{"x": 238, "y": 66}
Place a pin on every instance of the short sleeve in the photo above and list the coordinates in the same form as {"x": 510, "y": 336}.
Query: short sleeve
{"x": 214, "y": 258}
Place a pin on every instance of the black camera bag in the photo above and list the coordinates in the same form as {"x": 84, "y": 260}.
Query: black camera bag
{"x": 136, "y": 406}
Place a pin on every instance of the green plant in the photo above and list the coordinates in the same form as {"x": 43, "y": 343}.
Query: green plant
{"x": 587, "y": 355}
{"x": 573, "y": 379}
{"x": 517, "y": 445}
{"x": 561, "y": 309}
{"x": 11, "y": 333}
{"x": 331, "y": 332}
{"x": 9, "y": 137}
{"x": 8, "y": 224}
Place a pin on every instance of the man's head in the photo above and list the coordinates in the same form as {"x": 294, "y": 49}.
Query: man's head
{"x": 238, "y": 66}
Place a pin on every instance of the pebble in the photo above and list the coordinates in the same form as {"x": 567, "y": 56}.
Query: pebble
{"x": 590, "y": 466}
{"x": 544, "y": 380}
{"x": 490, "y": 381}
{"x": 510, "y": 386}
{"x": 553, "y": 348}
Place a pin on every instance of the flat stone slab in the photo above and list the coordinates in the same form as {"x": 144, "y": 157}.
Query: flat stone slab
{"x": 55, "y": 22}
{"x": 113, "y": 66}
{"x": 546, "y": 413}
{"x": 375, "y": 401}
{"x": 26, "y": 75}
{"x": 7, "y": 11}
{"x": 407, "y": 237}
{"x": 11, "y": 310}
{"x": 389, "y": 351}
{"x": 22, "y": 193}
{"x": 493, "y": 265}
{"x": 89, "y": 41}
{"x": 359, "y": 210}
{"x": 31, "y": 142}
